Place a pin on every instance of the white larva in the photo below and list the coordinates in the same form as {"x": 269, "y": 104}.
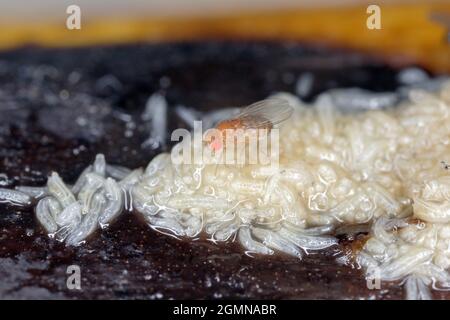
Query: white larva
{"x": 93, "y": 183}
{"x": 156, "y": 115}
{"x": 402, "y": 265}
{"x": 213, "y": 226}
{"x": 193, "y": 226}
{"x": 158, "y": 163}
{"x": 437, "y": 274}
{"x": 353, "y": 99}
{"x": 117, "y": 172}
{"x": 379, "y": 230}
{"x": 314, "y": 231}
{"x": 142, "y": 202}
{"x": 384, "y": 199}
{"x": 166, "y": 224}
{"x": 432, "y": 212}
{"x": 307, "y": 242}
{"x": 89, "y": 223}
{"x": 437, "y": 190}
{"x": 376, "y": 248}
{"x": 272, "y": 183}
{"x": 45, "y": 215}
{"x": 127, "y": 183}
{"x": 70, "y": 215}
{"x": 277, "y": 242}
{"x": 34, "y": 192}
{"x": 252, "y": 246}
{"x": 226, "y": 233}
{"x": 14, "y": 197}
{"x": 114, "y": 203}
{"x": 367, "y": 262}
{"x": 320, "y": 219}
{"x": 131, "y": 179}
{"x": 416, "y": 288}
{"x": 297, "y": 175}
{"x": 248, "y": 186}
{"x": 304, "y": 84}
{"x": 204, "y": 202}
{"x": 58, "y": 189}
{"x": 99, "y": 166}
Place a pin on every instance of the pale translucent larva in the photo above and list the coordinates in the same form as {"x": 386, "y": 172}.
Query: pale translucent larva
{"x": 307, "y": 242}
{"x": 58, "y": 189}
{"x": 45, "y": 214}
{"x": 34, "y": 192}
{"x": 252, "y": 246}
{"x": 70, "y": 215}
{"x": 277, "y": 242}
{"x": 402, "y": 265}
{"x": 14, "y": 197}
{"x": 117, "y": 172}
{"x": 89, "y": 222}
{"x": 114, "y": 203}
{"x": 86, "y": 195}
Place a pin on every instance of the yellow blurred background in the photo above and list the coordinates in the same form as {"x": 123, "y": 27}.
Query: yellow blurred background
{"x": 408, "y": 34}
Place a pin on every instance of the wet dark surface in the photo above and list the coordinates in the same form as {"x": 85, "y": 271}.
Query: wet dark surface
{"x": 59, "y": 107}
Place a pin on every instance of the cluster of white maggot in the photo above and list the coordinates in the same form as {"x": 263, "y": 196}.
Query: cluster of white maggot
{"x": 73, "y": 213}
{"x": 381, "y": 168}
{"x": 416, "y": 248}
{"x": 227, "y": 201}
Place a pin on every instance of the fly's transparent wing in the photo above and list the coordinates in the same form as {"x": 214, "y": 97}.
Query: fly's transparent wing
{"x": 265, "y": 113}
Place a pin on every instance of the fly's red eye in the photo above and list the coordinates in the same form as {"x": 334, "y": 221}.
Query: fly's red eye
{"x": 216, "y": 145}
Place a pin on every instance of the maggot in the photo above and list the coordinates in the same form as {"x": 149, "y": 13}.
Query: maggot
{"x": 114, "y": 203}
{"x": 46, "y": 210}
{"x": 89, "y": 223}
{"x": 14, "y": 197}
{"x": 58, "y": 189}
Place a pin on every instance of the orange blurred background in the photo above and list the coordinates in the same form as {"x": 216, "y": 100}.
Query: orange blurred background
{"x": 408, "y": 34}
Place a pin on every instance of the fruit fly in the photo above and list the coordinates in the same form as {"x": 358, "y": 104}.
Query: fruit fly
{"x": 263, "y": 115}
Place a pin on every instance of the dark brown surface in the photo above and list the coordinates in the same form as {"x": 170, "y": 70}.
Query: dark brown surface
{"x": 43, "y": 93}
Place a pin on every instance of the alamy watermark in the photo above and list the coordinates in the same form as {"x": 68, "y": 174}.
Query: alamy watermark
{"x": 373, "y": 21}
{"x": 235, "y": 146}
{"x": 74, "y": 279}
{"x": 373, "y": 278}
{"x": 73, "y": 21}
